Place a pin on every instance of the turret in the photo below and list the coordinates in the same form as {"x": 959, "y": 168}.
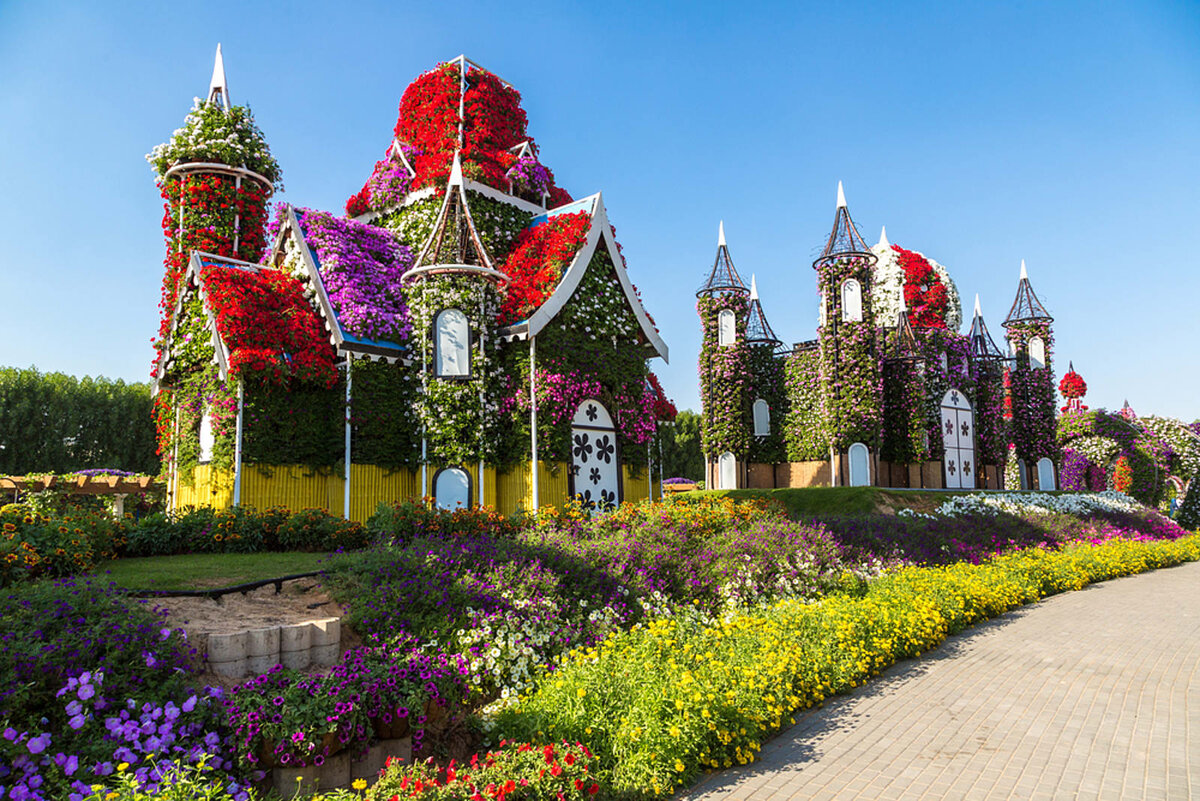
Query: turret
{"x": 851, "y": 376}
{"x": 1031, "y": 380}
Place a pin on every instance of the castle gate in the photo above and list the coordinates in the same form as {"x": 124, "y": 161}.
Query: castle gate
{"x": 958, "y": 438}
{"x": 595, "y": 466}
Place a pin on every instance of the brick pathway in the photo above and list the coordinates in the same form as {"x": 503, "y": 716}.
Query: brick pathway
{"x": 1089, "y": 695}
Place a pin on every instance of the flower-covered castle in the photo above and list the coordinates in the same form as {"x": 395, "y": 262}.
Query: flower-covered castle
{"x": 889, "y": 393}
{"x": 466, "y": 331}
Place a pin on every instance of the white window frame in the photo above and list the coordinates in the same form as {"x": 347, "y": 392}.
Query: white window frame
{"x": 762, "y": 418}
{"x": 439, "y": 351}
{"x": 852, "y": 303}
{"x": 726, "y": 328}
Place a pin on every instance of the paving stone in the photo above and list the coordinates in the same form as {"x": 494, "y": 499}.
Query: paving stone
{"x": 1092, "y": 694}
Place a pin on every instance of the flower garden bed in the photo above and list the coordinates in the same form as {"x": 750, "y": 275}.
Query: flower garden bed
{"x": 676, "y": 636}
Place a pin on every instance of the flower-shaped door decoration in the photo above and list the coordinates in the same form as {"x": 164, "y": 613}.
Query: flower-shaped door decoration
{"x": 595, "y": 468}
{"x": 958, "y": 439}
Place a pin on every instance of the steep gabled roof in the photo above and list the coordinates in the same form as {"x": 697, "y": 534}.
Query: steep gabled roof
{"x": 1026, "y": 307}
{"x": 259, "y": 320}
{"x": 344, "y": 340}
{"x": 599, "y": 235}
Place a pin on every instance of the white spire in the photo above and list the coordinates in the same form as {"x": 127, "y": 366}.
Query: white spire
{"x": 456, "y": 176}
{"x": 883, "y": 240}
{"x": 1024, "y": 275}
{"x": 978, "y": 313}
{"x": 721, "y": 234}
{"x": 753, "y": 288}
{"x": 841, "y": 197}
{"x": 218, "y": 86}
{"x": 903, "y": 302}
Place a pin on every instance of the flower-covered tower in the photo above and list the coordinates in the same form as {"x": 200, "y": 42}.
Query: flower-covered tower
{"x": 991, "y": 426}
{"x": 724, "y": 371}
{"x": 850, "y": 364}
{"x": 768, "y": 398}
{"x": 454, "y": 299}
{"x": 1030, "y": 335}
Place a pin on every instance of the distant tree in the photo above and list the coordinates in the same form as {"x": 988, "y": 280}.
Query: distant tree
{"x": 682, "y": 456}
{"x": 55, "y": 423}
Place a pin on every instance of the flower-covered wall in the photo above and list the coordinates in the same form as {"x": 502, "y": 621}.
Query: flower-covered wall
{"x": 724, "y": 378}
{"x": 851, "y": 374}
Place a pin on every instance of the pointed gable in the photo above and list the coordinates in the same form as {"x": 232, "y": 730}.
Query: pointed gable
{"x": 261, "y": 321}
{"x": 354, "y": 273}
{"x": 600, "y": 240}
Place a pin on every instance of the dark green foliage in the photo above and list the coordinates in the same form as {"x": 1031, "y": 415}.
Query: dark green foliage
{"x": 294, "y": 424}
{"x": 766, "y": 382}
{"x": 681, "y": 454}
{"x": 386, "y": 430}
{"x": 55, "y": 423}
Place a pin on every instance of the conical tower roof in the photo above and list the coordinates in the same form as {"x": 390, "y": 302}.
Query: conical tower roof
{"x": 758, "y": 330}
{"x": 454, "y": 244}
{"x": 844, "y": 238}
{"x": 1026, "y": 307}
{"x": 983, "y": 347}
{"x": 218, "y": 87}
{"x": 723, "y": 279}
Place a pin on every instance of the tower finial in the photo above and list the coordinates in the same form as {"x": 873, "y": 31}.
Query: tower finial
{"x": 978, "y": 312}
{"x": 753, "y": 288}
{"x": 1024, "y": 274}
{"x": 721, "y": 234}
{"x": 883, "y": 240}
{"x": 841, "y": 203}
{"x": 218, "y": 86}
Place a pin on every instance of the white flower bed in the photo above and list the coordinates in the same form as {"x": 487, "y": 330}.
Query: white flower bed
{"x": 1077, "y": 503}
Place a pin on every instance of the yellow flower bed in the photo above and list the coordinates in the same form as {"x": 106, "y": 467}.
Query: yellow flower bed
{"x": 662, "y": 701}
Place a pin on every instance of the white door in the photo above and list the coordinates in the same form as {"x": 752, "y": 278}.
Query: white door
{"x": 727, "y": 467}
{"x": 595, "y": 471}
{"x": 452, "y": 488}
{"x": 1045, "y": 469}
{"x": 958, "y": 439}
{"x": 860, "y": 465}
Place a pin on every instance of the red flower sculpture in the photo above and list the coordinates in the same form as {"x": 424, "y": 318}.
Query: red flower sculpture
{"x": 924, "y": 293}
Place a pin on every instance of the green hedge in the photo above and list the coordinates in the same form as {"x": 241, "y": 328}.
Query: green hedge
{"x": 56, "y": 423}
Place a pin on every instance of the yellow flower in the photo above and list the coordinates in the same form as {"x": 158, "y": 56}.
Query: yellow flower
{"x": 124, "y": 766}
{"x": 581, "y": 692}
{"x": 359, "y": 784}
{"x": 678, "y": 766}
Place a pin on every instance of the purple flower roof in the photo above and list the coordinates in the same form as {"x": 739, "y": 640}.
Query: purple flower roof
{"x": 360, "y": 266}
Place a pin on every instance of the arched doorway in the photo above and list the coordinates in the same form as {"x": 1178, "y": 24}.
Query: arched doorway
{"x": 595, "y": 463}
{"x": 727, "y": 471}
{"x": 860, "y": 465}
{"x": 1045, "y": 473}
{"x": 958, "y": 439}
{"x": 452, "y": 488}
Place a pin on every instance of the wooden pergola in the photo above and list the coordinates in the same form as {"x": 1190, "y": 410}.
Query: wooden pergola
{"x": 117, "y": 486}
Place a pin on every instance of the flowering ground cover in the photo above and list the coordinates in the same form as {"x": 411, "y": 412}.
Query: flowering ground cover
{"x": 639, "y": 648}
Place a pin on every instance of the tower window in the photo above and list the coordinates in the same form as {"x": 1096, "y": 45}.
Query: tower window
{"x": 727, "y": 328}
{"x": 852, "y": 310}
{"x": 1037, "y": 353}
{"x": 762, "y": 418}
{"x": 452, "y": 344}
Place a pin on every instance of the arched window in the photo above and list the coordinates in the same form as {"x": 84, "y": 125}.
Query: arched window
{"x": 726, "y": 328}
{"x": 821, "y": 315}
{"x": 762, "y": 418}
{"x": 1045, "y": 471}
{"x": 945, "y": 364}
{"x": 452, "y": 488}
{"x": 1037, "y": 353}
{"x": 207, "y": 438}
{"x": 452, "y": 344}
{"x": 860, "y": 465}
{"x": 852, "y": 311}
{"x": 727, "y": 471}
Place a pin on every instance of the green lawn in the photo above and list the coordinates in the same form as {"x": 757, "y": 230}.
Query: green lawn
{"x": 203, "y": 571}
{"x": 828, "y": 501}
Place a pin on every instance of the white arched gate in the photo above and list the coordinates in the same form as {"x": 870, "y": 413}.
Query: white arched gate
{"x": 595, "y": 469}
{"x": 958, "y": 439}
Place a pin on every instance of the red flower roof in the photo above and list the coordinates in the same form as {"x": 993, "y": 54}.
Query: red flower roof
{"x": 266, "y": 323}
{"x": 537, "y": 260}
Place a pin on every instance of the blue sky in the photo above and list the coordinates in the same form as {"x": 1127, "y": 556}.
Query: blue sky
{"x": 1065, "y": 134}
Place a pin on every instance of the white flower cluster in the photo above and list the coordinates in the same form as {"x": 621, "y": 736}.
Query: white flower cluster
{"x": 889, "y": 288}
{"x": 1076, "y": 503}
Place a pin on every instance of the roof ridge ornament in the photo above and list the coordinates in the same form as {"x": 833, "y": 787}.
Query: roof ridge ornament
{"x": 218, "y": 87}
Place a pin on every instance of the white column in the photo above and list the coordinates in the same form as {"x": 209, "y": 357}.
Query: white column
{"x": 346, "y": 487}
{"x": 237, "y": 449}
{"x": 533, "y": 424}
